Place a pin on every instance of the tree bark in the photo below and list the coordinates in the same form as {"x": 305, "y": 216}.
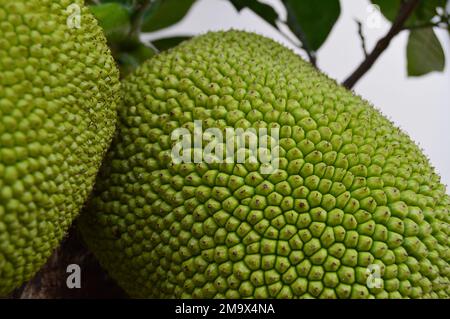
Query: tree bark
{"x": 50, "y": 281}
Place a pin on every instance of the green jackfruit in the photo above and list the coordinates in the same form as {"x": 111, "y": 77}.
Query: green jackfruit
{"x": 354, "y": 209}
{"x": 59, "y": 88}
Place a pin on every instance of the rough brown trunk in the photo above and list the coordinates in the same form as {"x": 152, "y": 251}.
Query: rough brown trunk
{"x": 50, "y": 281}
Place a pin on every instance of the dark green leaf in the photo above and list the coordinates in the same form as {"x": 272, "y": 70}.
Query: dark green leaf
{"x": 167, "y": 43}
{"x": 424, "y": 12}
{"x": 424, "y": 52}
{"x": 143, "y": 53}
{"x": 114, "y": 19}
{"x": 126, "y": 3}
{"x": 263, "y": 10}
{"x": 127, "y": 63}
{"x": 389, "y": 8}
{"x": 130, "y": 60}
{"x": 427, "y": 10}
{"x": 164, "y": 13}
{"x": 312, "y": 20}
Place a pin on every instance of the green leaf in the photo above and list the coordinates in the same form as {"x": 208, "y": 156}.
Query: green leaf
{"x": 128, "y": 61}
{"x": 424, "y": 12}
{"x": 114, "y": 19}
{"x": 265, "y": 11}
{"x": 167, "y": 43}
{"x": 125, "y": 3}
{"x": 424, "y": 52}
{"x": 389, "y": 8}
{"x": 164, "y": 13}
{"x": 312, "y": 20}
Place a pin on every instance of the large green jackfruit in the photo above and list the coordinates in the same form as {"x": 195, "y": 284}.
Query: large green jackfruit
{"x": 59, "y": 88}
{"x": 354, "y": 210}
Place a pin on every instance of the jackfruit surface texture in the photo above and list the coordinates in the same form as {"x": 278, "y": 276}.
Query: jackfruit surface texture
{"x": 354, "y": 199}
{"x": 59, "y": 89}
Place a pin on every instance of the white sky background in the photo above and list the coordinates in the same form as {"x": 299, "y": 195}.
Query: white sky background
{"x": 419, "y": 105}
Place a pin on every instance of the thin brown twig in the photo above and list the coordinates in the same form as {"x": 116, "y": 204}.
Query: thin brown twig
{"x": 362, "y": 38}
{"x": 405, "y": 11}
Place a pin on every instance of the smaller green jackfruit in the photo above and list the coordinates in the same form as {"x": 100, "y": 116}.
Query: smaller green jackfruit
{"x": 59, "y": 91}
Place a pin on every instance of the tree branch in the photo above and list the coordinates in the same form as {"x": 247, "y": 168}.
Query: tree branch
{"x": 50, "y": 281}
{"x": 405, "y": 11}
{"x": 362, "y": 38}
{"x": 137, "y": 16}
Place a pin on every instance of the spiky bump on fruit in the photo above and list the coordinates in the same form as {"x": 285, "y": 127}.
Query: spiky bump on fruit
{"x": 59, "y": 88}
{"x": 352, "y": 192}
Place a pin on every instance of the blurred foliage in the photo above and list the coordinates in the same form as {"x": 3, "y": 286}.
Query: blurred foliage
{"x": 167, "y": 43}
{"x": 164, "y": 13}
{"x": 424, "y": 52}
{"x": 310, "y": 23}
{"x": 425, "y": 11}
{"x": 134, "y": 55}
{"x": 263, "y": 10}
{"x": 312, "y": 20}
{"x": 114, "y": 19}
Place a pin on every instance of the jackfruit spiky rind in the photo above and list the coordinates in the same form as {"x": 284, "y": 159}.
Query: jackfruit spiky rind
{"x": 59, "y": 88}
{"x": 352, "y": 190}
